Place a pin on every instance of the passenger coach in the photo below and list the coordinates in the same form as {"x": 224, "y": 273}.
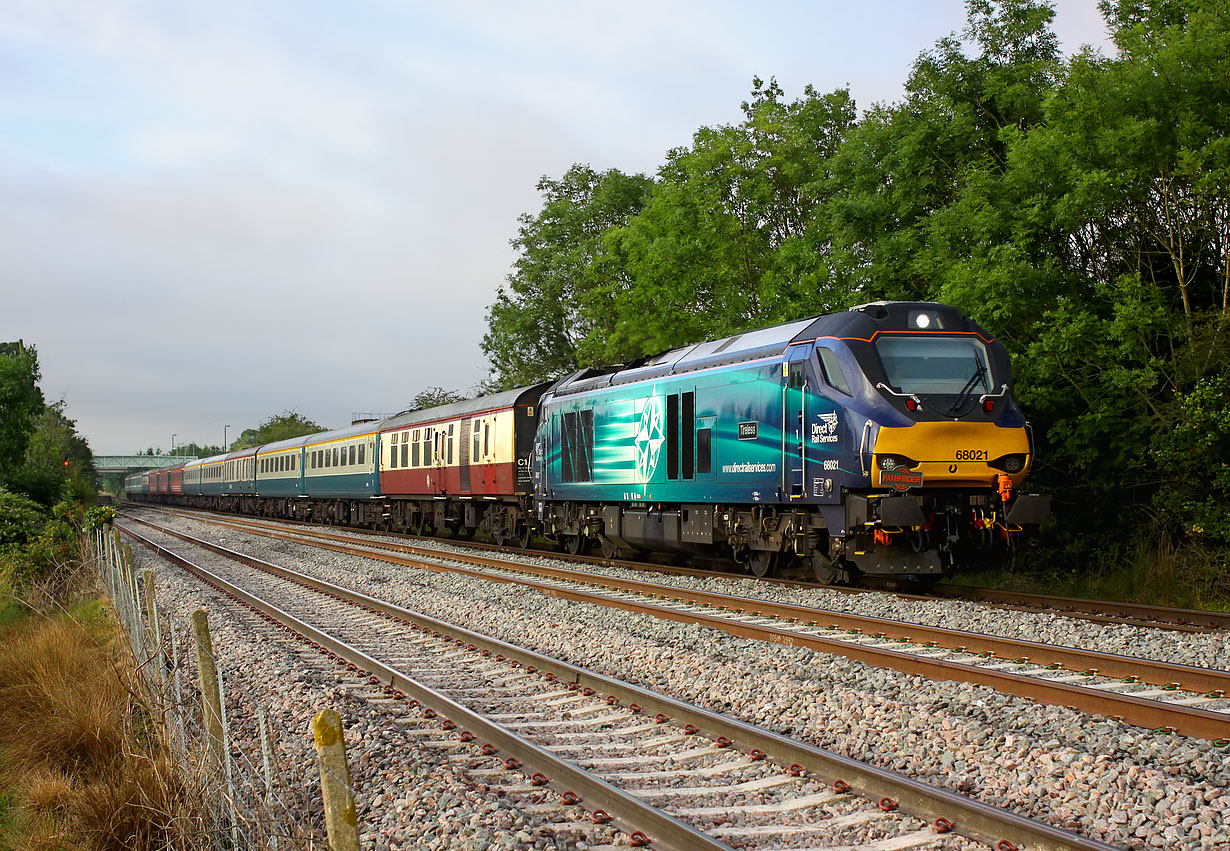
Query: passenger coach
{"x": 462, "y": 466}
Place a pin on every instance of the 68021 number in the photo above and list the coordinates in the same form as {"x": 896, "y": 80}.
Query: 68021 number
{"x": 971, "y": 455}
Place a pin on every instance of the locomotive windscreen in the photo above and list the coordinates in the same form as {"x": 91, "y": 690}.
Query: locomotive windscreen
{"x": 923, "y": 365}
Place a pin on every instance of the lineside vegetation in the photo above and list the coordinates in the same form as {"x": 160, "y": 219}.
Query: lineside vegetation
{"x": 1079, "y": 208}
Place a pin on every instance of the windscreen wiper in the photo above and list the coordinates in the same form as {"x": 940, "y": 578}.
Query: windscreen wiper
{"x": 980, "y": 373}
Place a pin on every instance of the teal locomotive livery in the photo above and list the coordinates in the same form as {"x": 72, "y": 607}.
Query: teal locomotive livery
{"x": 881, "y": 441}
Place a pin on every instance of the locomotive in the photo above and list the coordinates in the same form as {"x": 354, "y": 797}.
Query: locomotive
{"x": 881, "y": 441}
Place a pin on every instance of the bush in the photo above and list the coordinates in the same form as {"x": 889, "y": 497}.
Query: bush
{"x": 21, "y": 518}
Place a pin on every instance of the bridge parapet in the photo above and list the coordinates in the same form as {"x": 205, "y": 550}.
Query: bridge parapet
{"x": 133, "y": 463}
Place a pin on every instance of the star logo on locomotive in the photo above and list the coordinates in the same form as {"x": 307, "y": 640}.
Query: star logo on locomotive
{"x": 649, "y": 439}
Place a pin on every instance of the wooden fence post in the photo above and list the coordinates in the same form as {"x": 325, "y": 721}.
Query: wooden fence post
{"x": 341, "y": 819}
{"x": 151, "y": 611}
{"x": 211, "y": 699}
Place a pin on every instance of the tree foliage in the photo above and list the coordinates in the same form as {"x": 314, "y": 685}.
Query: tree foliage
{"x": 430, "y": 397}
{"x": 564, "y": 278}
{"x": 57, "y": 464}
{"x": 281, "y": 426}
{"x": 21, "y": 402}
{"x": 1079, "y": 208}
{"x": 198, "y": 450}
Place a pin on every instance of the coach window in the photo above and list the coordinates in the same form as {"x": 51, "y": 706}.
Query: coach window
{"x": 487, "y": 448}
{"x": 354, "y": 453}
{"x": 450, "y": 444}
{"x": 362, "y": 452}
{"x": 476, "y": 445}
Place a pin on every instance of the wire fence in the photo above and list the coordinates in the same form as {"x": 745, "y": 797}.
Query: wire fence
{"x": 259, "y": 780}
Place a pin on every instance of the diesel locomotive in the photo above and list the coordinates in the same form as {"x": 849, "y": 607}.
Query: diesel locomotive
{"x": 882, "y": 441}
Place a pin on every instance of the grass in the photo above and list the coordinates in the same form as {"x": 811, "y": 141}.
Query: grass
{"x": 1141, "y": 572}
{"x": 81, "y": 764}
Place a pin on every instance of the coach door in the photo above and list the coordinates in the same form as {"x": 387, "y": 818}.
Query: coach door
{"x": 794, "y": 419}
{"x": 463, "y": 455}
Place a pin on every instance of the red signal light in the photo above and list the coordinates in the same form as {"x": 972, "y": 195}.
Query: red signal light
{"x": 65, "y": 462}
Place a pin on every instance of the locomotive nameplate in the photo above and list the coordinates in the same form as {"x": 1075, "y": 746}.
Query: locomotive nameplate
{"x": 902, "y": 478}
{"x": 748, "y": 431}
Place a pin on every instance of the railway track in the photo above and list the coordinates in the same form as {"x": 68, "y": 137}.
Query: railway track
{"x": 1147, "y": 693}
{"x": 664, "y": 771}
{"x": 1096, "y": 611}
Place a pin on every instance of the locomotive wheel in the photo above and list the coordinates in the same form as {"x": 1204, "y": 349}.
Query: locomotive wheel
{"x": 828, "y": 572}
{"x": 499, "y": 538}
{"x": 609, "y": 548}
{"x": 422, "y": 527}
{"x": 523, "y": 537}
{"x": 574, "y": 544}
{"x": 761, "y": 562}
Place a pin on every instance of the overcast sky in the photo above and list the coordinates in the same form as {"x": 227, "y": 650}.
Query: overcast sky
{"x": 211, "y": 212}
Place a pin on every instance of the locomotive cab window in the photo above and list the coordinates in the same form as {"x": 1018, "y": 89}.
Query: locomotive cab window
{"x": 831, "y": 367}
{"x": 940, "y": 365}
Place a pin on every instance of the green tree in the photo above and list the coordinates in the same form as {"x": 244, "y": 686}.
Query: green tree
{"x": 558, "y": 291}
{"x": 431, "y": 397}
{"x": 198, "y": 450}
{"x": 1097, "y": 245}
{"x": 727, "y": 239}
{"x": 281, "y": 426}
{"x": 21, "y": 403}
{"x": 907, "y": 163}
{"x": 58, "y": 464}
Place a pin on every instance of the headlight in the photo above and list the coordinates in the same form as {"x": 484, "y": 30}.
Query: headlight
{"x": 892, "y": 462}
{"x": 925, "y": 320}
{"x": 1009, "y": 463}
